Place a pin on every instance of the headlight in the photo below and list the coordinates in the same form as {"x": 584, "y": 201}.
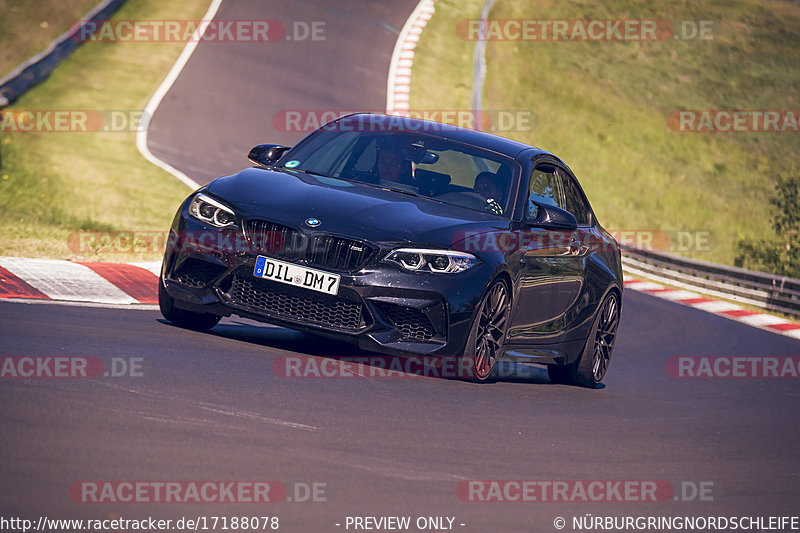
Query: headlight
{"x": 439, "y": 261}
{"x": 210, "y": 211}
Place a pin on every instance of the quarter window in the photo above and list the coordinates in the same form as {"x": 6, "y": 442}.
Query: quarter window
{"x": 575, "y": 201}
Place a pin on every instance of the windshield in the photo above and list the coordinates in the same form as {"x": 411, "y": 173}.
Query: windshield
{"x": 411, "y": 163}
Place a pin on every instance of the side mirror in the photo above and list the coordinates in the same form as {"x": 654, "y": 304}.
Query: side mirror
{"x": 552, "y": 217}
{"x": 267, "y": 154}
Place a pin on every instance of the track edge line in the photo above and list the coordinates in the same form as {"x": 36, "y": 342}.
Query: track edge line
{"x": 158, "y": 95}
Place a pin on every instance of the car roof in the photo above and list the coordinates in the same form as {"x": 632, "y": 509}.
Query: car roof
{"x": 482, "y": 139}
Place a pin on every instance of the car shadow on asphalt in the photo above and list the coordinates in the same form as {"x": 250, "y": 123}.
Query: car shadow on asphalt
{"x": 305, "y": 347}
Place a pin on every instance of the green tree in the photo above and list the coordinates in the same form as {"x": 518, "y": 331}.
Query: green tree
{"x": 780, "y": 255}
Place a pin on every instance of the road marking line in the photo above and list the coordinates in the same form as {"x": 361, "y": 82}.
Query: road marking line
{"x": 93, "y": 305}
{"x": 254, "y": 416}
{"x": 155, "y": 100}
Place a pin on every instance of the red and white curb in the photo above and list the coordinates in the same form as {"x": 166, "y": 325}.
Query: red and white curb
{"x": 757, "y": 319}
{"x": 101, "y": 283}
{"x": 398, "y": 86}
{"x": 137, "y": 283}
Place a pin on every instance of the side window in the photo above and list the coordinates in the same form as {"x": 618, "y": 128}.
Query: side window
{"x": 545, "y": 187}
{"x": 575, "y": 201}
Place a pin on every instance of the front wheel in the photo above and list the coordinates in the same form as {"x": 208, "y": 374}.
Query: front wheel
{"x": 485, "y": 342}
{"x": 589, "y": 370}
{"x": 182, "y": 317}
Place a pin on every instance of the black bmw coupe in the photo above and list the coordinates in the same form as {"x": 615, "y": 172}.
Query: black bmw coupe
{"x": 406, "y": 237}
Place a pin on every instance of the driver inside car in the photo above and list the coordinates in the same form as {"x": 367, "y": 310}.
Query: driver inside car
{"x": 487, "y": 184}
{"x": 393, "y": 166}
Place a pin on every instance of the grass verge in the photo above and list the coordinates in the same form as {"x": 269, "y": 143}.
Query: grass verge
{"x": 27, "y": 28}
{"x": 54, "y": 184}
{"x": 603, "y": 107}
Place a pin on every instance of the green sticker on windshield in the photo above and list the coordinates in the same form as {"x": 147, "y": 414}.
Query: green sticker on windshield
{"x": 293, "y": 163}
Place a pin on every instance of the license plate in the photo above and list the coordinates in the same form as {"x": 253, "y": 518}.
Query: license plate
{"x": 299, "y": 276}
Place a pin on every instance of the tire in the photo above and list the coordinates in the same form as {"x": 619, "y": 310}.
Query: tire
{"x": 589, "y": 370}
{"x": 181, "y": 317}
{"x": 485, "y": 342}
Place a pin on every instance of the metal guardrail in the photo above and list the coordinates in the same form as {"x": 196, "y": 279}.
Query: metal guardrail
{"x": 774, "y": 293}
{"x": 36, "y": 69}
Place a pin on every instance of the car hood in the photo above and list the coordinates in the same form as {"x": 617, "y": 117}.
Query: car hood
{"x": 349, "y": 209}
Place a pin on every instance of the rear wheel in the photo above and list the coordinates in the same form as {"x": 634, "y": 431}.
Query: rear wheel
{"x": 485, "y": 342}
{"x": 182, "y": 317}
{"x": 589, "y": 370}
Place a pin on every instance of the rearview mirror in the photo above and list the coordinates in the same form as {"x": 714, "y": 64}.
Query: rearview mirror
{"x": 429, "y": 158}
{"x": 267, "y": 154}
{"x": 417, "y": 154}
{"x": 552, "y": 217}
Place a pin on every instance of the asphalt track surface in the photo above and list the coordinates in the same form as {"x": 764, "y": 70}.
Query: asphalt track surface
{"x": 230, "y": 95}
{"x": 210, "y": 406}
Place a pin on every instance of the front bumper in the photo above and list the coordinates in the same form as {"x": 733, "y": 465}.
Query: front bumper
{"x": 380, "y": 307}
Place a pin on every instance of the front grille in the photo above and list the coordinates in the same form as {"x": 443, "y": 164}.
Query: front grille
{"x": 410, "y": 322}
{"x": 197, "y": 273}
{"x": 336, "y": 253}
{"x": 294, "y": 304}
{"x": 275, "y": 240}
{"x": 318, "y": 250}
